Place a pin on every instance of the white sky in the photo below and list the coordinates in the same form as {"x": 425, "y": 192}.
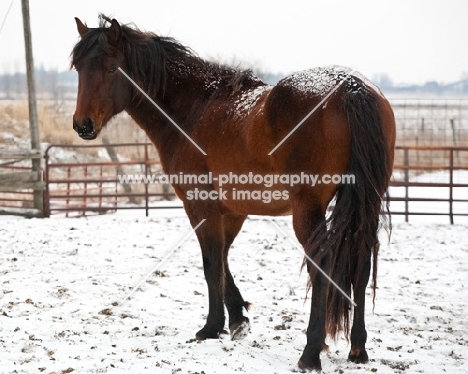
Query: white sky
{"x": 413, "y": 41}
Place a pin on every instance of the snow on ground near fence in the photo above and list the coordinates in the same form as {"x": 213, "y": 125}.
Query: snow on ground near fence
{"x": 59, "y": 278}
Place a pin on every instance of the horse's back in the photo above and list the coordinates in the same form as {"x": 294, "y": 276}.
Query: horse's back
{"x": 317, "y": 81}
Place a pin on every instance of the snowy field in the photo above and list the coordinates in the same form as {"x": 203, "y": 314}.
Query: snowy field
{"x": 60, "y": 277}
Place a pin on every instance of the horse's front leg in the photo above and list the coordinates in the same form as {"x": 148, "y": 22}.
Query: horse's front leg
{"x": 235, "y": 303}
{"x": 211, "y": 238}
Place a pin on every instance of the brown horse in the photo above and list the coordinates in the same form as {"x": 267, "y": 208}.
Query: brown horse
{"x": 235, "y": 123}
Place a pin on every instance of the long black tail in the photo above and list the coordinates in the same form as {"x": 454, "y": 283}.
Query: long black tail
{"x": 350, "y": 234}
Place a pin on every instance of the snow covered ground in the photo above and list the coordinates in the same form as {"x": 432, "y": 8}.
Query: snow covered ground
{"x": 60, "y": 277}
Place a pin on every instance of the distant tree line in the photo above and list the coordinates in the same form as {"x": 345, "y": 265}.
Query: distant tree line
{"x": 57, "y": 85}
{"x": 60, "y": 85}
{"x": 429, "y": 88}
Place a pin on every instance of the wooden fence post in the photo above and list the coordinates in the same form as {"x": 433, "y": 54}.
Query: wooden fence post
{"x": 33, "y": 119}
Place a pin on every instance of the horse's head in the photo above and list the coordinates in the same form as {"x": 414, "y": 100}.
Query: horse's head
{"x": 103, "y": 91}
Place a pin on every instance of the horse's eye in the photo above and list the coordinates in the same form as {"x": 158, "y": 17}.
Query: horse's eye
{"x": 112, "y": 70}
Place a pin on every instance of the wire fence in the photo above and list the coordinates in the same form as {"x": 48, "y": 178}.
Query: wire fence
{"x": 431, "y": 122}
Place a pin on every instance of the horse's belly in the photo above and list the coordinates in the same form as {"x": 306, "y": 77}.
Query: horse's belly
{"x": 254, "y": 201}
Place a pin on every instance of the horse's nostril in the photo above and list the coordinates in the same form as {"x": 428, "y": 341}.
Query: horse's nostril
{"x": 86, "y": 128}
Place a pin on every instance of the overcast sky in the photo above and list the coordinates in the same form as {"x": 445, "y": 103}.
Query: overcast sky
{"x": 413, "y": 41}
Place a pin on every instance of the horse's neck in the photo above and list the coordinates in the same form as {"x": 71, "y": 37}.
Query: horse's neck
{"x": 186, "y": 94}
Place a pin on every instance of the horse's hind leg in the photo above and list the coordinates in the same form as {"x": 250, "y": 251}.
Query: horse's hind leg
{"x": 316, "y": 332}
{"x": 358, "y": 352}
{"x": 305, "y": 220}
{"x": 238, "y": 323}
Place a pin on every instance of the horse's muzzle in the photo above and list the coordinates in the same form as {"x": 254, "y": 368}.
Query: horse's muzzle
{"x": 86, "y": 130}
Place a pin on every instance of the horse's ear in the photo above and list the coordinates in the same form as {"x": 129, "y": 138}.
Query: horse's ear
{"x": 82, "y": 28}
{"x": 114, "y": 32}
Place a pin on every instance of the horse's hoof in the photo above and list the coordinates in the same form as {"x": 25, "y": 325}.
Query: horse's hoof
{"x": 206, "y": 333}
{"x": 358, "y": 356}
{"x": 302, "y": 367}
{"x": 240, "y": 330}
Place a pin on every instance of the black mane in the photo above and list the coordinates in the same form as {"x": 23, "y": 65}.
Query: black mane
{"x": 152, "y": 57}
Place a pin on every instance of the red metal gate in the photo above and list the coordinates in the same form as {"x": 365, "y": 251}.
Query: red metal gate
{"x": 433, "y": 180}
{"x": 76, "y": 185}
